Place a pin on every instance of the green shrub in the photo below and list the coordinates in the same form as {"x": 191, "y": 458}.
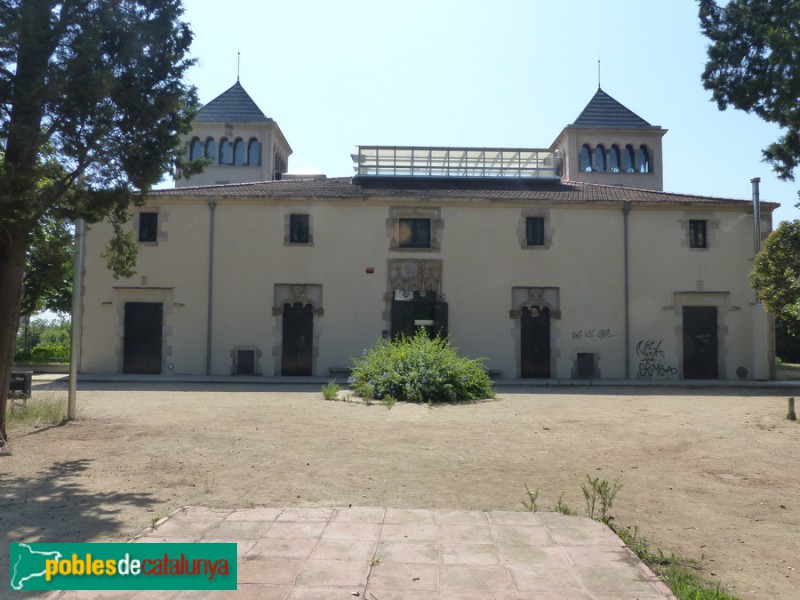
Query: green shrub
{"x": 330, "y": 390}
{"x": 419, "y": 369}
{"x": 44, "y": 354}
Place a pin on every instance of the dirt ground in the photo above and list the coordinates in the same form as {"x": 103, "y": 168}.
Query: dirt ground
{"x": 706, "y": 472}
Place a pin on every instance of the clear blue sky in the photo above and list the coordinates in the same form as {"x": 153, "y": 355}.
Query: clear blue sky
{"x": 336, "y": 74}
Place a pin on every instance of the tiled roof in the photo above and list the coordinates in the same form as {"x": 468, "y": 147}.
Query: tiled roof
{"x": 344, "y": 188}
{"x": 604, "y": 111}
{"x": 234, "y": 105}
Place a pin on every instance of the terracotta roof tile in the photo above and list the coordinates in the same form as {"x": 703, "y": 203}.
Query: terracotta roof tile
{"x": 343, "y": 188}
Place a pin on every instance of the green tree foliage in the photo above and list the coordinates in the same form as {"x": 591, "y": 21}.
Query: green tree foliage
{"x": 43, "y": 340}
{"x": 753, "y": 65}
{"x": 48, "y": 273}
{"x": 776, "y": 275}
{"x": 92, "y": 110}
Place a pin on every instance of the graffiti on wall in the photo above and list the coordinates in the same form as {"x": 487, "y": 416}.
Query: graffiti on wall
{"x": 588, "y": 334}
{"x": 652, "y": 360}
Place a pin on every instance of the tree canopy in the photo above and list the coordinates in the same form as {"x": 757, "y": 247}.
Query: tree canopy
{"x": 93, "y": 106}
{"x": 776, "y": 274}
{"x": 48, "y": 273}
{"x": 754, "y": 65}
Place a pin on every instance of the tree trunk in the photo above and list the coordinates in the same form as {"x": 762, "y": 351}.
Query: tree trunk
{"x": 12, "y": 270}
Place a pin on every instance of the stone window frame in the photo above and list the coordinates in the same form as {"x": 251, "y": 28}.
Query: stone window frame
{"x": 287, "y": 229}
{"x": 539, "y": 296}
{"x": 522, "y": 228}
{"x": 722, "y": 302}
{"x": 292, "y": 293}
{"x": 434, "y": 214}
{"x": 161, "y": 218}
{"x": 123, "y": 294}
{"x": 257, "y": 354}
{"x": 712, "y": 230}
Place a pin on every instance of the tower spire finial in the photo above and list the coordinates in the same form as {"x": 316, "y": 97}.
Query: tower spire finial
{"x": 598, "y": 73}
{"x": 238, "y": 64}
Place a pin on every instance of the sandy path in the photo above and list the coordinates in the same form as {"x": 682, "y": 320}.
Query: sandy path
{"x": 704, "y": 474}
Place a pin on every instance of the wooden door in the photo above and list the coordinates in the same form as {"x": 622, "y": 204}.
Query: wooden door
{"x": 700, "y": 345}
{"x": 298, "y": 339}
{"x": 141, "y": 346}
{"x": 535, "y": 343}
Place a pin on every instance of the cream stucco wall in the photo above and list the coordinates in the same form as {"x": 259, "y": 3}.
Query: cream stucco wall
{"x": 482, "y": 259}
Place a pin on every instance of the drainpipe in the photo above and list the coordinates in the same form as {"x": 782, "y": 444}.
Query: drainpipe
{"x": 626, "y": 209}
{"x": 212, "y": 205}
{"x": 762, "y": 356}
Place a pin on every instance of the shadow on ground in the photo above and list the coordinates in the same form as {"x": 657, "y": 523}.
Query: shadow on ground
{"x": 54, "y": 506}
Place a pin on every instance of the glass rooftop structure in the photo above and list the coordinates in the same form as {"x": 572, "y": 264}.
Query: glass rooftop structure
{"x": 412, "y": 161}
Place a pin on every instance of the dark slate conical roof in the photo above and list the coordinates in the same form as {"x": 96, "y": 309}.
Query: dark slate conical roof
{"x": 604, "y": 111}
{"x": 234, "y": 105}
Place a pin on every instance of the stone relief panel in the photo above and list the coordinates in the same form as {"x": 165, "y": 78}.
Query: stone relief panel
{"x": 409, "y": 275}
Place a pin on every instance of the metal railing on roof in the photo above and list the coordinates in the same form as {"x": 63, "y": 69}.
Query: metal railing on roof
{"x": 412, "y": 161}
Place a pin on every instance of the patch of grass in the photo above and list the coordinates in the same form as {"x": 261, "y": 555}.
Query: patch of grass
{"x": 330, "y": 390}
{"x": 602, "y": 492}
{"x": 679, "y": 573}
{"x": 530, "y": 504}
{"x": 563, "y": 508}
{"x": 37, "y": 411}
{"x": 388, "y": 401}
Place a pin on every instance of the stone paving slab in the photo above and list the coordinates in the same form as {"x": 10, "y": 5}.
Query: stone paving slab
{"x": 401, "y": 554}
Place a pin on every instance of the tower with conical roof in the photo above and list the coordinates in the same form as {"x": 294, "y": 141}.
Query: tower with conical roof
{"x": 610, "y": 144}
{"x": 240, "y": 142}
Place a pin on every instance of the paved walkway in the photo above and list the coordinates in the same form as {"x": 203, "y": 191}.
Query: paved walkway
{"x": 401, "y": 554}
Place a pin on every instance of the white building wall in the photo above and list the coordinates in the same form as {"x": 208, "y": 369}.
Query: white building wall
{"x": 482, "y": 262}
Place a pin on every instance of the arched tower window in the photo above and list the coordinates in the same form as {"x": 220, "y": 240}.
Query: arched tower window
{"x": 195, "y": 149}
{"x": 628, "y": 164}
{"x": 644, "y": 159}
{"x": 211, "y": 149}
{"x": 586, "y": 158}
{"x": 613, "y": 159}
{"x": 253, "y": 152}
{"x": 600, "y": 158}
{"x": 225, "y": 152}
{"x": 238, "y": 152}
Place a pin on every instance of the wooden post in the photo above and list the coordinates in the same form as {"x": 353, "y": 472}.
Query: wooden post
{"x": 791, "y": 415}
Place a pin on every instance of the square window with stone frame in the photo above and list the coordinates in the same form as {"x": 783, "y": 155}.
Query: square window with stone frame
{"x": 415, "y": 233}
{"x": 148, "y": 227}
{"x": 534, "y": 231}
{"x": 298, "y": 229}
{"x": 698, "y": 233}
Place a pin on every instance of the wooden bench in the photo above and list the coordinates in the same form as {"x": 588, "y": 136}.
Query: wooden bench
{"x": 495, "y": 373}
{"x": 22, "y": 382}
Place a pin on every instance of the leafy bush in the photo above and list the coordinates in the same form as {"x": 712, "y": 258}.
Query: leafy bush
{"x": 330, "y": 390}
{"x": 419, "y": 369}
{"x": 44, "y": 354}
